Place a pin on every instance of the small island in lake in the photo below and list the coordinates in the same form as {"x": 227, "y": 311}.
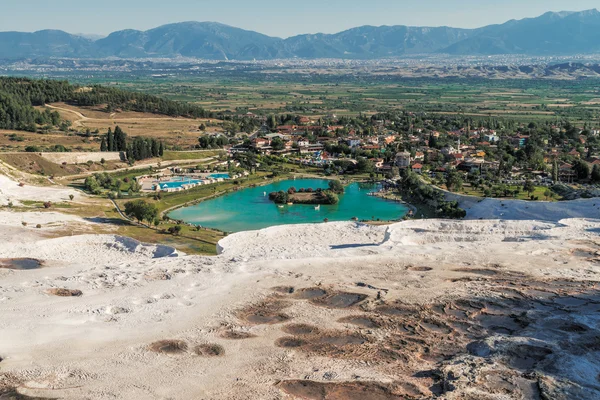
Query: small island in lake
{"x": 309, "y": 195}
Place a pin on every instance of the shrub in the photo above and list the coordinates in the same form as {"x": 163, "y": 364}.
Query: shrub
{"x": 38, "y": 226}
{"x": 47, "y": 204}
{"x": 175, "y": 230}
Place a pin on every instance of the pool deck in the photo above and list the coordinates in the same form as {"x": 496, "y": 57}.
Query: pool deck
{"x": 150, "y": 183}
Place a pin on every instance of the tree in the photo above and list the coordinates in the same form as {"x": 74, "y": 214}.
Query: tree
{"x": 277, "y": 144}
{"x": 175, "y": 230}
{"x": 555, "y": 171}
{"x": 110, "y": 139}
{"x": 596, "y": 173}
{"x": 103, "y": 146}
{"x": 528, "y": 187}
{"x": 336, "y": 187}
{"x": 364, "y": 165}
{"x": 120, "y": 139}
{"x": 91, "y": 184}
{"x": 141, "y": 210}
{"x": 582, "y": 169}
{"x": 454, "y": 181}
{"x": 271, "y": 122}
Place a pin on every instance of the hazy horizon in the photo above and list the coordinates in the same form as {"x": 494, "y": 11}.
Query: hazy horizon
{"x": 274, "y": 18}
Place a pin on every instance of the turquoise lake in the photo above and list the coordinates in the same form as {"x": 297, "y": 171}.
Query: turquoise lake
{"x": 250, "y": 209}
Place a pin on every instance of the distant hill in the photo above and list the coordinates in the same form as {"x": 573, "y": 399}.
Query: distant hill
{"x": 554, "y": 33}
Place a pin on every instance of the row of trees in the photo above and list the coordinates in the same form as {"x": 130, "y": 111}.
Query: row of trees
{"x": 114, "y": 141}
{"x": 212, "y": 142}
{"x": 143, "y": 148}
{"x": 137, "y": 149}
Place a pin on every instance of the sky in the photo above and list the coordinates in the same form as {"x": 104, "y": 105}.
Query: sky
{"x": 281, "y": 18}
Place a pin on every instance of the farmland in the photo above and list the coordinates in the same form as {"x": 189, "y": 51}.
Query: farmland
{"x": 515, "y": 99}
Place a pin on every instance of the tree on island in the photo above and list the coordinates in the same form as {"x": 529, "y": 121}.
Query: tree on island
{"x": 331, "y": 197}
{"x": 336, "y": 187}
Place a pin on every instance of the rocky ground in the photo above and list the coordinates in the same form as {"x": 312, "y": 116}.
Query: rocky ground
{"x": 417, "y": 310}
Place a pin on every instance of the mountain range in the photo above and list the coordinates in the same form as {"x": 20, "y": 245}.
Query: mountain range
{"x": 553, "y": 33}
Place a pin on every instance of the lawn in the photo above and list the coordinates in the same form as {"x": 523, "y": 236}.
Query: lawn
{"x": 191, "y": 155}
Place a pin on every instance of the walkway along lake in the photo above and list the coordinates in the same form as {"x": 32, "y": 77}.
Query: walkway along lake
{"x": 249, "y": 209}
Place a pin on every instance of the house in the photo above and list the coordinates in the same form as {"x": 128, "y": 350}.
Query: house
{"x": 471, "y": 166}
{"x": 492, "y": 138}
{"x": 272, "y": 136}
{"x": 353, "y": 141}
{"x": 260, "y": 142}
{"x": 417, "y": 168}
{"x": 370, "y": 147}
{"x": 419, "y": 155}
{"x": 402, "y": 160}
{"x": 301, "y": 141}
{"x": 389, "y": 139}
{"x": 566, "y": 173}
{"x": 519, "y": 141}
{"x": 457, "y": 157}
{"x": 574, "y": 153}
{"x": 447, "y": 151}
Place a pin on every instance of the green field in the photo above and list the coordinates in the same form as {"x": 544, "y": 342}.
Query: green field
{"x": 515, "y": 99}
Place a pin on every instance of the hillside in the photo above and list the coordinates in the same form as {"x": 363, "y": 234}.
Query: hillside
{"x": 20, "y": 96}
{"x": 554, "y": 33}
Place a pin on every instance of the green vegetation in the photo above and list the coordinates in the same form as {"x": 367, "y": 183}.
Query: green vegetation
{"x": 191, "y": 155}
{"x": 415, "y": 191}
{"x": 141, "y": 211}
{"x": 305, "y": 196}
{"x": 18, "y": 96}
{"x": 346, "y": 95}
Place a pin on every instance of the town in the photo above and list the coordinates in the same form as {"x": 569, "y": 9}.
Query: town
{"x": 487, "y": 157}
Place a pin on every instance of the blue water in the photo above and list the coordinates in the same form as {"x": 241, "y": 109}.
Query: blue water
{"x": 250, "y": 209}
{"x": 177, "y": 184}
{"x": 219, "y": 176}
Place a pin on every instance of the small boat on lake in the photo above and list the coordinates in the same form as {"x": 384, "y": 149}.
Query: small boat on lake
{"x": 317, "y": 208}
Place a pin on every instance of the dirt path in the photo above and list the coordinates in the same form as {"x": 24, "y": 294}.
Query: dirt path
{"x": 163, "y": 164}
{"x": 76, "y": 123}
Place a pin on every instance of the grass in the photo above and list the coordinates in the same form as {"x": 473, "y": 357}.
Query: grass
{"x": 538, "y": 192}
{"x": 191, "y": 155}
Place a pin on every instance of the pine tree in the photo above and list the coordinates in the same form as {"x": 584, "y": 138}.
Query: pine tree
{"x": 111, "y": 140}
{"x": 161, "y": 149}
{"x": 120, "y": 139}
{"x": 103, "y": 146}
